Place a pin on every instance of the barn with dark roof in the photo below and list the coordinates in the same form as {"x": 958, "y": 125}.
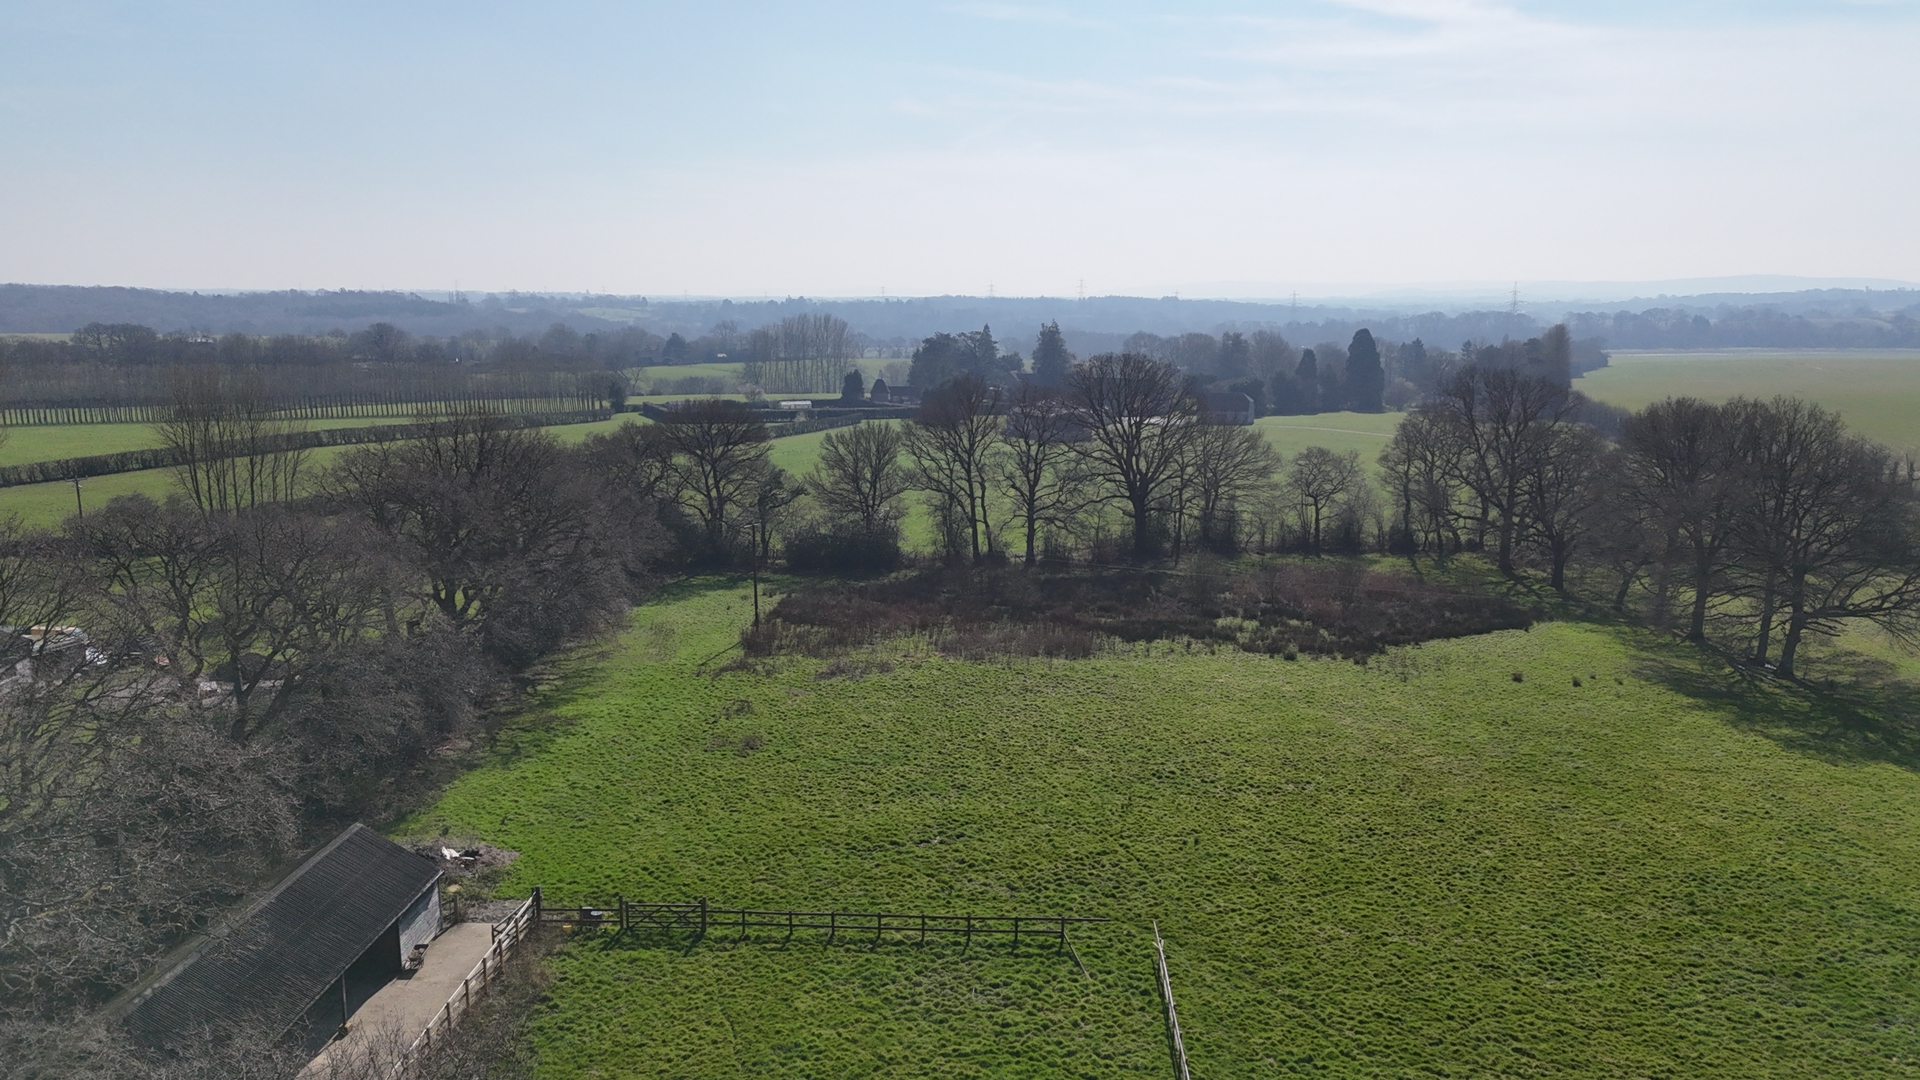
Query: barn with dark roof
{"x": 304, "y": 955}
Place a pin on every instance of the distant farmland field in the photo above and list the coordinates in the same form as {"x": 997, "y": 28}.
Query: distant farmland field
{"x": 1365, "y": 433}
{"x": 53, "y": 442}
{"x": 1878, "y": 393}
{"x": 48, "y": 504}
{"x": 1575, "y": 851}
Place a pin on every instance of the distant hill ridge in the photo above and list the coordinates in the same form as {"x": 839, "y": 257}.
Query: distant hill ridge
{"x": 1815, "y": 318}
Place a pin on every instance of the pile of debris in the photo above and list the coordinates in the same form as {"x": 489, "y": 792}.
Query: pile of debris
{"x": 461, "y": 861}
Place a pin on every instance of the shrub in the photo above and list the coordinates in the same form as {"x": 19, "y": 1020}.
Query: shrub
{"x": 812, "y": 550}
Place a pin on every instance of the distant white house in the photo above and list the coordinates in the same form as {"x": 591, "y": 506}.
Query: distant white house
{"x": 798, "y": 403}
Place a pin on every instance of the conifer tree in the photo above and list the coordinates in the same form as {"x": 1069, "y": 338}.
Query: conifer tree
{"x": 1366, "y": 379}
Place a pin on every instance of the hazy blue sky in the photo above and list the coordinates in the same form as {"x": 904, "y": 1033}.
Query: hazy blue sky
{"x": 841, "y": 148}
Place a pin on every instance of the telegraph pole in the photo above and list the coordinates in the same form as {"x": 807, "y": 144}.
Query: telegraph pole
{"x": 759, "y": 530}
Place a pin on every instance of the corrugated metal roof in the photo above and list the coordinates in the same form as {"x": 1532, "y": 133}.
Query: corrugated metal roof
{"x": 285, "y": 950}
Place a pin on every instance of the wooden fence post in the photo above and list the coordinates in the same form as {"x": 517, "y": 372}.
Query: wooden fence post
{"x": 1173, "y": 1016}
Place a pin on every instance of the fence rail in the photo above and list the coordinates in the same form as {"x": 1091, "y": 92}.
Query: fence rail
{"x": 473, "y": 988}
{"x": 701, "y": 918}
{"x": 1173, "y": 1015}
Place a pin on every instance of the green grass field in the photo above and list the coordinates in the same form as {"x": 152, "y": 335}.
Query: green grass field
{"x": 1420, "y": 866}
{"x": 1365, "y": 433}
{"x": 1877, "y": 392}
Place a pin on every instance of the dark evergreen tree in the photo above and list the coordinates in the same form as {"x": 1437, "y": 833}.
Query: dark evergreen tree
{"x": 1307, "y": 376}
{"x": 1236, "y": 356}
{"x": 1051, "y": 360}
{"x": 937, "y": 361}
{"x": 1366, "y": 382}
{"x": 853, "y": 387}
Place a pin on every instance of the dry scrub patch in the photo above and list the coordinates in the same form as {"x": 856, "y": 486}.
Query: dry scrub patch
{"x": 1333, "y": 607}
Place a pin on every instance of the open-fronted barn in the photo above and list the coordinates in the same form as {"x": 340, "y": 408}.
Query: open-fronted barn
{"x": 299, "y": 959}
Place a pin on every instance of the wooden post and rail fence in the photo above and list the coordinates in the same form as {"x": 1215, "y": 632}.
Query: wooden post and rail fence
{"x": 700, "y": 918}
{"x": 473, "y": 988}
{"x": 1173, "y": 1015}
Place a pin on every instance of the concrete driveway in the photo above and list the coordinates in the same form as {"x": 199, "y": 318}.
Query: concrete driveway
{"x": 396, "y": 1014}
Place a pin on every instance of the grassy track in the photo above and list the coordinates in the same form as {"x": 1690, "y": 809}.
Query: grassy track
{"x": 1415, "y": 867}
{"x": 1877, "y": 392}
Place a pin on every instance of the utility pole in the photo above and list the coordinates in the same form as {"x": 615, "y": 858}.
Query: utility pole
{"x": 1083, "y": 288}
{"x": 79, "y": 508}
{"x": 759, "y": 532}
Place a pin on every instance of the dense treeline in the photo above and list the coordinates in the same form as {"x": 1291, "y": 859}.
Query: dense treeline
{"x": 195, "y": 690}
{"x": 1766, "y": 518}
{"x": 125, "y": 365}
{"x": 1751, "y": 327}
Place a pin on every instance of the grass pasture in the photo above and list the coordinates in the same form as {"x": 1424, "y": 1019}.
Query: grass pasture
{"x": 1419, "y": 866}
{"x": 1366, "y": 433}
{"x": 1877, "y": 392}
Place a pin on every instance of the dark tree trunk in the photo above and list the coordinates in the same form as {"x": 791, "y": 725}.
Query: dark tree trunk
{"x": 1764, "y": 635}
{"x": 1702, "y": 581}
{"x": 1790, "y": 642}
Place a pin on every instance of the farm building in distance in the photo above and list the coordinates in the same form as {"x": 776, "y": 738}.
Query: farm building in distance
{"x": 300, "y": 959}
{"x": 1228, "y": 408}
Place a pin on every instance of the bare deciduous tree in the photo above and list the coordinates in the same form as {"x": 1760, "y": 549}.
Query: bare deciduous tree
{"x": 955, "y": 443}
{"x": 1227, "y": 467}
{"x": 860, "y": 476}
{"x": 719, "y": 453}
{"x": 1420, "y": 467}
{"x": 237, "y": 453}
{"x": 1680, "y": 468}
{"x": 1501, "y": 420}
{"x": 1827, "y": 528}
{"x": 1319, "y": 479}
{"x": 1138, "y": 418}
{"x": 1563, "y": 485}
{"x": 1043, "y": 478}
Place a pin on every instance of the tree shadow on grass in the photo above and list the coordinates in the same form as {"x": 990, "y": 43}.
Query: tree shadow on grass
{"x": 1851, "y": 708}
{"x": 1859, "y": 713}
{"x": 527, "y": 723}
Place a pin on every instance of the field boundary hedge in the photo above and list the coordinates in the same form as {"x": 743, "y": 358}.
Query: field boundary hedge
{"x": 70, "y": 415}
{"x": 163, "y": 457}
